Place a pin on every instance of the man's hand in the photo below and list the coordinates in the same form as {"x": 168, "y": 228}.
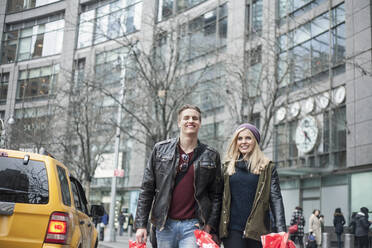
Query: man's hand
{"x": 141, "y": 235}
{"x": 208, "y": 229}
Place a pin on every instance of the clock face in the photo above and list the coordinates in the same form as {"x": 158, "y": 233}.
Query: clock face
{"x": 294, "y": 110}
{"x": 280, "y": 114}
{"x": 323, "y": 100}
{"x": 339, "y": 95}
{"x": 306, "y": 134}
{"x": 308, "y": 105}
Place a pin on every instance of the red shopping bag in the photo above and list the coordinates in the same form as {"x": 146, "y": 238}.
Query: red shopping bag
{"x": 133, "y": 244}
{"x": 277, "y": 240}
{"x": 204, "y": 239}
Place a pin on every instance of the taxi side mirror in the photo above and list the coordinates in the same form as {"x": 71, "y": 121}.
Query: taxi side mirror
{"x": 97, "y": 211}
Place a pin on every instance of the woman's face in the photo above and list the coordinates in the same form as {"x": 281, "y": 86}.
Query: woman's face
{"x": 245, "y": 142}
{"x": 316, "y": 213}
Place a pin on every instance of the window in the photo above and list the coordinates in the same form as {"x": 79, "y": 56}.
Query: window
{"x": 20, "y": 183}
{"x": 308, "y": 52}
{"x": 37, "y": 82}
{"x": 167, "y": 8}
{"x": 65, "y": 189}
{"x": 294, "y": 8}
{"x": 104, "y": 21}
{"x": 19, "y": 5}
{"x": 33, "y": 39}
{"x": 4, "y": 81}
{"x": 205, "y": 33}
{"x": 254, "y": 17}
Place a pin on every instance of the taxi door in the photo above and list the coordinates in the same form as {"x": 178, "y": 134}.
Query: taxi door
{"x": 85, "y": 224}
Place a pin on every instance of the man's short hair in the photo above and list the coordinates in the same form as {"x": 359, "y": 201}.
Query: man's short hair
{"x": 189, "y": 106}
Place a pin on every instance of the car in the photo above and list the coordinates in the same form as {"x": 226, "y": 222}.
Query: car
{"x": 41, "y": 205}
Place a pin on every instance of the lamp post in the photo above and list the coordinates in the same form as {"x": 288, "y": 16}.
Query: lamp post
{"x": 111, "y": 229}
{"x": 4, "y": 127}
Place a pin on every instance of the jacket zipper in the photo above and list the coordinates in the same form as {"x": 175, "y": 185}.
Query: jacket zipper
{"x": 258, "y": 198}
{"x": 197, "y": 202}
{"x": 170, "y": 195}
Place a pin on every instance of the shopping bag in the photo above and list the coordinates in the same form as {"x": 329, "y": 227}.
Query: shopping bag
{"x": 293, "y": 228}
{"x": 277, "y": 240}
{"x": 204, "y": 239}
{"x": 133, "y": 244}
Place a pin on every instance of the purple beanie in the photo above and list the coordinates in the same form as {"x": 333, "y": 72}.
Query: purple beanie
{"x": 253, "y": 129}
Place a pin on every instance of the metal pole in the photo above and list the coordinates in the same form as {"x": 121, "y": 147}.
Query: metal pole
{"x": 111, "y": 228}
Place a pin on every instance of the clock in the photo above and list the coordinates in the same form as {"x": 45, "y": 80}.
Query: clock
{"x": 308, "y": 106}
{"x": 306, "y": 134}
{"x": 323, "y": 100}
{"x": 280, "y": 114}
{"x": 294, "y": 110}
{"x": 339, "y": 95}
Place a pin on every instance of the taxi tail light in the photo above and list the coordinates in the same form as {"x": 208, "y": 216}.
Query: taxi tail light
{"x": 57, "y": 228}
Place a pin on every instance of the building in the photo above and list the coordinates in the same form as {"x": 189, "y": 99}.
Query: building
{"x": 317, "y": 52}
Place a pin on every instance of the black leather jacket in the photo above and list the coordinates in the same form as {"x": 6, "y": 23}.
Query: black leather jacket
{"x": 159, "y": 179}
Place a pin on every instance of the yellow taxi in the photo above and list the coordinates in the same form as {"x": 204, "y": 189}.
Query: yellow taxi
{"x": 41, "y": 205}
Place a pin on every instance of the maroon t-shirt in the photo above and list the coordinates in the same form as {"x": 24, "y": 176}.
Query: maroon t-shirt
{"x": 183, "y": 202}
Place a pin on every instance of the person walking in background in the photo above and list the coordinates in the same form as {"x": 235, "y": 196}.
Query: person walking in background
{"x": 251, "y": 191}
{"x": 321, "y": 218}
{"x": 298, "y": 218}
{"x": 181, "y": 187}
{"x": 361, "y": 228}
{"x": 352, "y": 223}
{"x": 121, "y": 221}
{"x": 315, "y": 226}
{"x": 338, "y": 223}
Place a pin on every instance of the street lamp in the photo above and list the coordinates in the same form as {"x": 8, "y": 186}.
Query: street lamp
{"x": 4, "y": 127}
{"x": 111, "y": 229}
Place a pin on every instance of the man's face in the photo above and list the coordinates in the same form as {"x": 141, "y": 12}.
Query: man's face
{"x": 189, "y": 121}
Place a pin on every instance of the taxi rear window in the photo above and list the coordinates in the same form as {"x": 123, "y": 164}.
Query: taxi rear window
{"x": 20, "y": 183}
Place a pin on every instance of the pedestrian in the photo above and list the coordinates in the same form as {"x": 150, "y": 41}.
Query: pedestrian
{"x": 181, "y": 187}
{"x": 362, "y": 227}
{"x": 121, "y": 221}
{"x": 104, "y": 222}
{"x": 315, "y": 226}
{"x": 321, "y": 219}
{"x": 251, "y": 190}
{"x": 298, "y": 218}
{"x": 352, "y": 223}
{"x": 338, "y": 223}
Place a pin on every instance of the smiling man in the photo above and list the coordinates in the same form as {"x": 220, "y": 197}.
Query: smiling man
{"x": 182, "y": 187}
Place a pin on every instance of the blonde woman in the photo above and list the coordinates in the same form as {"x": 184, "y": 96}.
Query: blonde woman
{"x": 251, "y": 192}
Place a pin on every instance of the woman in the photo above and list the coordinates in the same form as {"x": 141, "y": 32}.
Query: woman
{"x": 362, "y": 228}
{"x": 251, "y": 191}
{"x": 338, "y": 223}
{"x": 298, "y": 218}
{"x": 315, "y": 227}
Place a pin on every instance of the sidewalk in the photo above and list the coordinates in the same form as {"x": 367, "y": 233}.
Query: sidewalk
{"x": 121, "y": 242}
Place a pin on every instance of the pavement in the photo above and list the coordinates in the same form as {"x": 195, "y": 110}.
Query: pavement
{"x": 121, "y": 242}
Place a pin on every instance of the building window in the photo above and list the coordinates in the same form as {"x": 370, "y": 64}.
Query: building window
{"x": 37, "y": 82}
{"x": 254, "y": 70}
{"x": 205, "y": 33}
{"x": 4, "y": 82}
{"x": 288, "y": 9}
{"x": 19, "y": 5}
{"x": 308, "y": 52}
{"x": 254, "y": 17}
{"x": 105, "y": 21}
{"x": 34, "y": 39}
{"x": 167, "y": 8}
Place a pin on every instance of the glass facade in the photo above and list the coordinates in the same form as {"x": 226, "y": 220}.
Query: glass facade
{"x": 4, "y": 82}
{"x": 37, "y": 82}
{"x": 309, "y": 52}
{"x": 167, "y": 8}
{"x": 204, "y": 34}
{"x": 38, "y": 38}
{"x": 19, "y": 5}
{"x": 105, "y": 21}
{"x": 329, "y": 152}
{"x": 288, "y": 9}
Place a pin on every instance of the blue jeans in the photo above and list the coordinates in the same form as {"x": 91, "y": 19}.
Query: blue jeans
{"x": 177, "y": 234}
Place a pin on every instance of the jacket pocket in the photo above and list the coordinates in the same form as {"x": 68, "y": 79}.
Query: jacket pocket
{"x": 207, "y": 165}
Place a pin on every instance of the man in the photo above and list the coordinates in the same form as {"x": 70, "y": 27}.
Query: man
{"x": 182, "y": 187}
{"x": 362, "y": 228}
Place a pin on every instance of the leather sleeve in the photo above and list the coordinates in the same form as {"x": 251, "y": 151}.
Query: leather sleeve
{"x": 276, "y": 202}
{"x": 147, "y": 193}
{"x": 215, "y": 192}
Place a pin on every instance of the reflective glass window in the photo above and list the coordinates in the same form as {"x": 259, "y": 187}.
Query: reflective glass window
{"x": 4, "y": 81}
{"x": 320, "y": 53}
{"x": 338, "y": 44}
{"x": 320, "y": 24}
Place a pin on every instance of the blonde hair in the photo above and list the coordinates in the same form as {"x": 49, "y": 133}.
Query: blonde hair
{"x": 258, "y": 161}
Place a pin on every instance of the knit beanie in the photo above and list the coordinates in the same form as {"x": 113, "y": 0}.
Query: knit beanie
{"x": 253, "y": 129}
